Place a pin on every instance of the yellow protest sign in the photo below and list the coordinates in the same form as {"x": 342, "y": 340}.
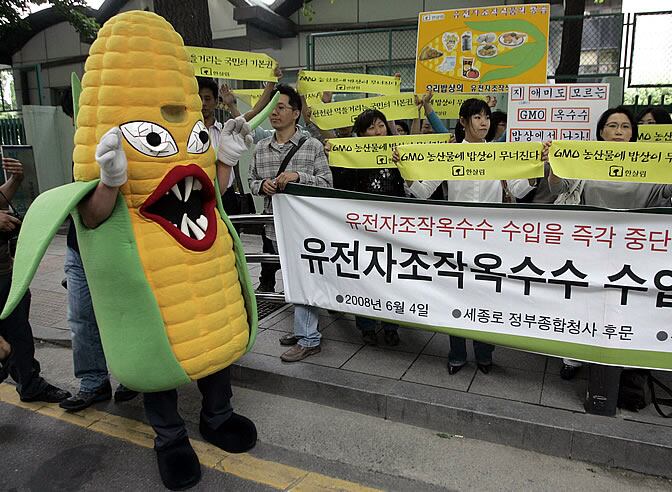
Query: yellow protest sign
{"x": 375, "y": 152}
{"x": 230, "y": 64}
{"x": 311, "y": 81}
{"x": 343, "y": 114}
{"x": 481, "y": 161}
{"x": 637, "y": 162}
{"x": 447, "y": 106}
{"x": 655, "y": 133}
{"x": 249, "y": 96}
{"x": 481, "y": 49}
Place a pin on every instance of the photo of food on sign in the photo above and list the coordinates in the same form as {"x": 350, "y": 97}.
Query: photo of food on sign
{"x": 497, "y": 46}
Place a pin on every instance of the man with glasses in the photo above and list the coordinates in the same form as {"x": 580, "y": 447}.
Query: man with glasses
{"x": 308, "y": 165}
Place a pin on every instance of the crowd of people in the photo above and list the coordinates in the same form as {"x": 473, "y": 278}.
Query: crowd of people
{"x": 295, "y": 153}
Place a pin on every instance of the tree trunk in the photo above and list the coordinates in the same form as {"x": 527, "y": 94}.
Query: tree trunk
{"x": 190, "y": 18}
{"x": 572, "y": 35}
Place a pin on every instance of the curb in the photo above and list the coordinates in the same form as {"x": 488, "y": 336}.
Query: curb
{"x": 607, "y": 441}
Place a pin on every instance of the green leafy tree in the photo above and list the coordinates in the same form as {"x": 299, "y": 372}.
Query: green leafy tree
{"x": 13, "y": 12}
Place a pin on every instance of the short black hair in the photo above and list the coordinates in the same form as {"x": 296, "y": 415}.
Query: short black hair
{"x": 208, "y": 83}
{"x": 495, "y": 119}
{"x": 294, "y": 98}
{"x": 366, "y": 119}
{"x": 404, "y": 125}
{"x": 617, "y": 110}
{"x": 473, "y": 106}
{"x": 661, "y": 116}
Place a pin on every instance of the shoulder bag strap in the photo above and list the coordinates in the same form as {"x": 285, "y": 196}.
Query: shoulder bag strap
{"x": 290, "y": 154}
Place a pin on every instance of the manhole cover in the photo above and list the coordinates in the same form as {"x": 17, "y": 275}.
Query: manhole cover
{"x": 266, "y": 308}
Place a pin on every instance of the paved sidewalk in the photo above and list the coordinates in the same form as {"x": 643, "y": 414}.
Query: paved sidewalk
{"x": 522, "y": 402}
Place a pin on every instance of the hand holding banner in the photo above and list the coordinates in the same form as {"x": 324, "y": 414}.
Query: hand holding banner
{"x": 479, "y": 161}
{"x": 310, "y": 81}
{"x": 230, "y": 64}
{"x": 634, "y": 162}
{"x": 375, "y": 152}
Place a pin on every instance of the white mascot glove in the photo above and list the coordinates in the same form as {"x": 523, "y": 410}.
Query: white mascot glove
{"x": 235, "y": 139}
{"x": 111, "y": 158}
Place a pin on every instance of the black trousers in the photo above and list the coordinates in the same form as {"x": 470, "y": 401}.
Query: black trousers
{"x": 21, "y": 365}
{"x": 458, "y": 351}
{"x": 268, "y": 270}
{"x": 163, "y": 416}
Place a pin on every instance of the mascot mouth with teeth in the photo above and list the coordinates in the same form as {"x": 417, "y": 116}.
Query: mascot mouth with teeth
{"x": 166, "y": 270}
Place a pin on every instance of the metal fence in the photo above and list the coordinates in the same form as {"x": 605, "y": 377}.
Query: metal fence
{"x": 12, "y": 131}
{"x": 387, "y": 51}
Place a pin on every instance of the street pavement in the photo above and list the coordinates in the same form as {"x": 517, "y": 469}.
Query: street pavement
{"x": 303, "y": 445}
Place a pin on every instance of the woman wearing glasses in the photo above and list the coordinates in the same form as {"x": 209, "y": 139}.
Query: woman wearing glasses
{"x": 615, "y": 125}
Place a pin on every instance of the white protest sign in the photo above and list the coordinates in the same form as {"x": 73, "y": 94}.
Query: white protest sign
{"x": 589, "y": 285}
{"x": 539, "y": 113}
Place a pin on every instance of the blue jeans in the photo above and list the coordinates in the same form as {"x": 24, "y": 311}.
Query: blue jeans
{"x": 368, "y": 324}
{"x": 305, "y": 325}
{"x": 87, "y": 350}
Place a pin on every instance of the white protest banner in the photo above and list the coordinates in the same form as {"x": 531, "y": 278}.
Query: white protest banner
{"x": 592, "y": 285}
{"x": 539, "y": 113}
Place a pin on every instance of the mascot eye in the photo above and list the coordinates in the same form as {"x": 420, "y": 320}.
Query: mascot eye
{"x": 199, "y": 139}
{"x": 149, "y": 138}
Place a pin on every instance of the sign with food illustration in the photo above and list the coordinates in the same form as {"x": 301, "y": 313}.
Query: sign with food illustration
{"x": 482, "y": 49}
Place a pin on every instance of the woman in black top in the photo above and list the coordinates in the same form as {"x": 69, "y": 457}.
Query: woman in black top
{"x": 372, "y": 123}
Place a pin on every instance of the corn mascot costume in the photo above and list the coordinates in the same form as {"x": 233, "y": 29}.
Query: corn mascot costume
{"x": 166, "y": 270}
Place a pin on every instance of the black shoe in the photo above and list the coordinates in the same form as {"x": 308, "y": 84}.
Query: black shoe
{"x": 85, "y": 399}
{"x": 568, "y": 372}
{"x": 178, "y": 465}
{"x": 370, "y": 338}
{"x": 50, "y": 394}
{"x": 391, "y": 338}
{"x": 289, "y": 340}
{"x": 236, "y": 435}
{"x": 123, "y": 394}
{"x": 484, "y": 368}
{"x": 454, "y": 368}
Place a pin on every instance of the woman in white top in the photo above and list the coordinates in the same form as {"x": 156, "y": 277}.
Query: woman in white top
{"x": 475, "y": 118}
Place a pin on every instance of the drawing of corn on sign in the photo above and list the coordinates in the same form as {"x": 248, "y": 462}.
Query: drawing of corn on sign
{"x": 463, "y": 50}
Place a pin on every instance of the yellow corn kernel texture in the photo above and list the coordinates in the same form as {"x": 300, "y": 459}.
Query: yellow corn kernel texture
{"x": 136, "y": 67}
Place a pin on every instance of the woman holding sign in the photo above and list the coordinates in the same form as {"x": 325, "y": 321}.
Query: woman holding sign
{"x": 372, "y": 123}
{"x": 475, "y": 119}
{"x": 615, "y": 125}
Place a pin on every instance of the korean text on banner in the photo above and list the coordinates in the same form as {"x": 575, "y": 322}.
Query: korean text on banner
{"x": 557, "y": 282}
{"x": 343, "y": 114}
{"x": 637, "y": 162}
{"x": 655, "y": 133}
{"x": 310, "y": 81}
{"x": 375, "y": 152}
{"x": 447, "y": 106}
{"x": 479, "y": 161}
{"x": 230, "y": 64}
{"x": 481, "y": 49}
{"x": 540, "y": 113}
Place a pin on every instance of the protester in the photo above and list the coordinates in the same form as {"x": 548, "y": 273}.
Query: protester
{"x": 475, "y": 119}
{"x": 17, "y": 349}
{"x": 615, "y": 125}
{"x": 372, "y": 123}
{"x": 654, "y": 116}
{"x": 402, "y": 128}
{"x": 87, "y": 350}
{"x": 497, "y": 132}
{"x": 283, "y": 158}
